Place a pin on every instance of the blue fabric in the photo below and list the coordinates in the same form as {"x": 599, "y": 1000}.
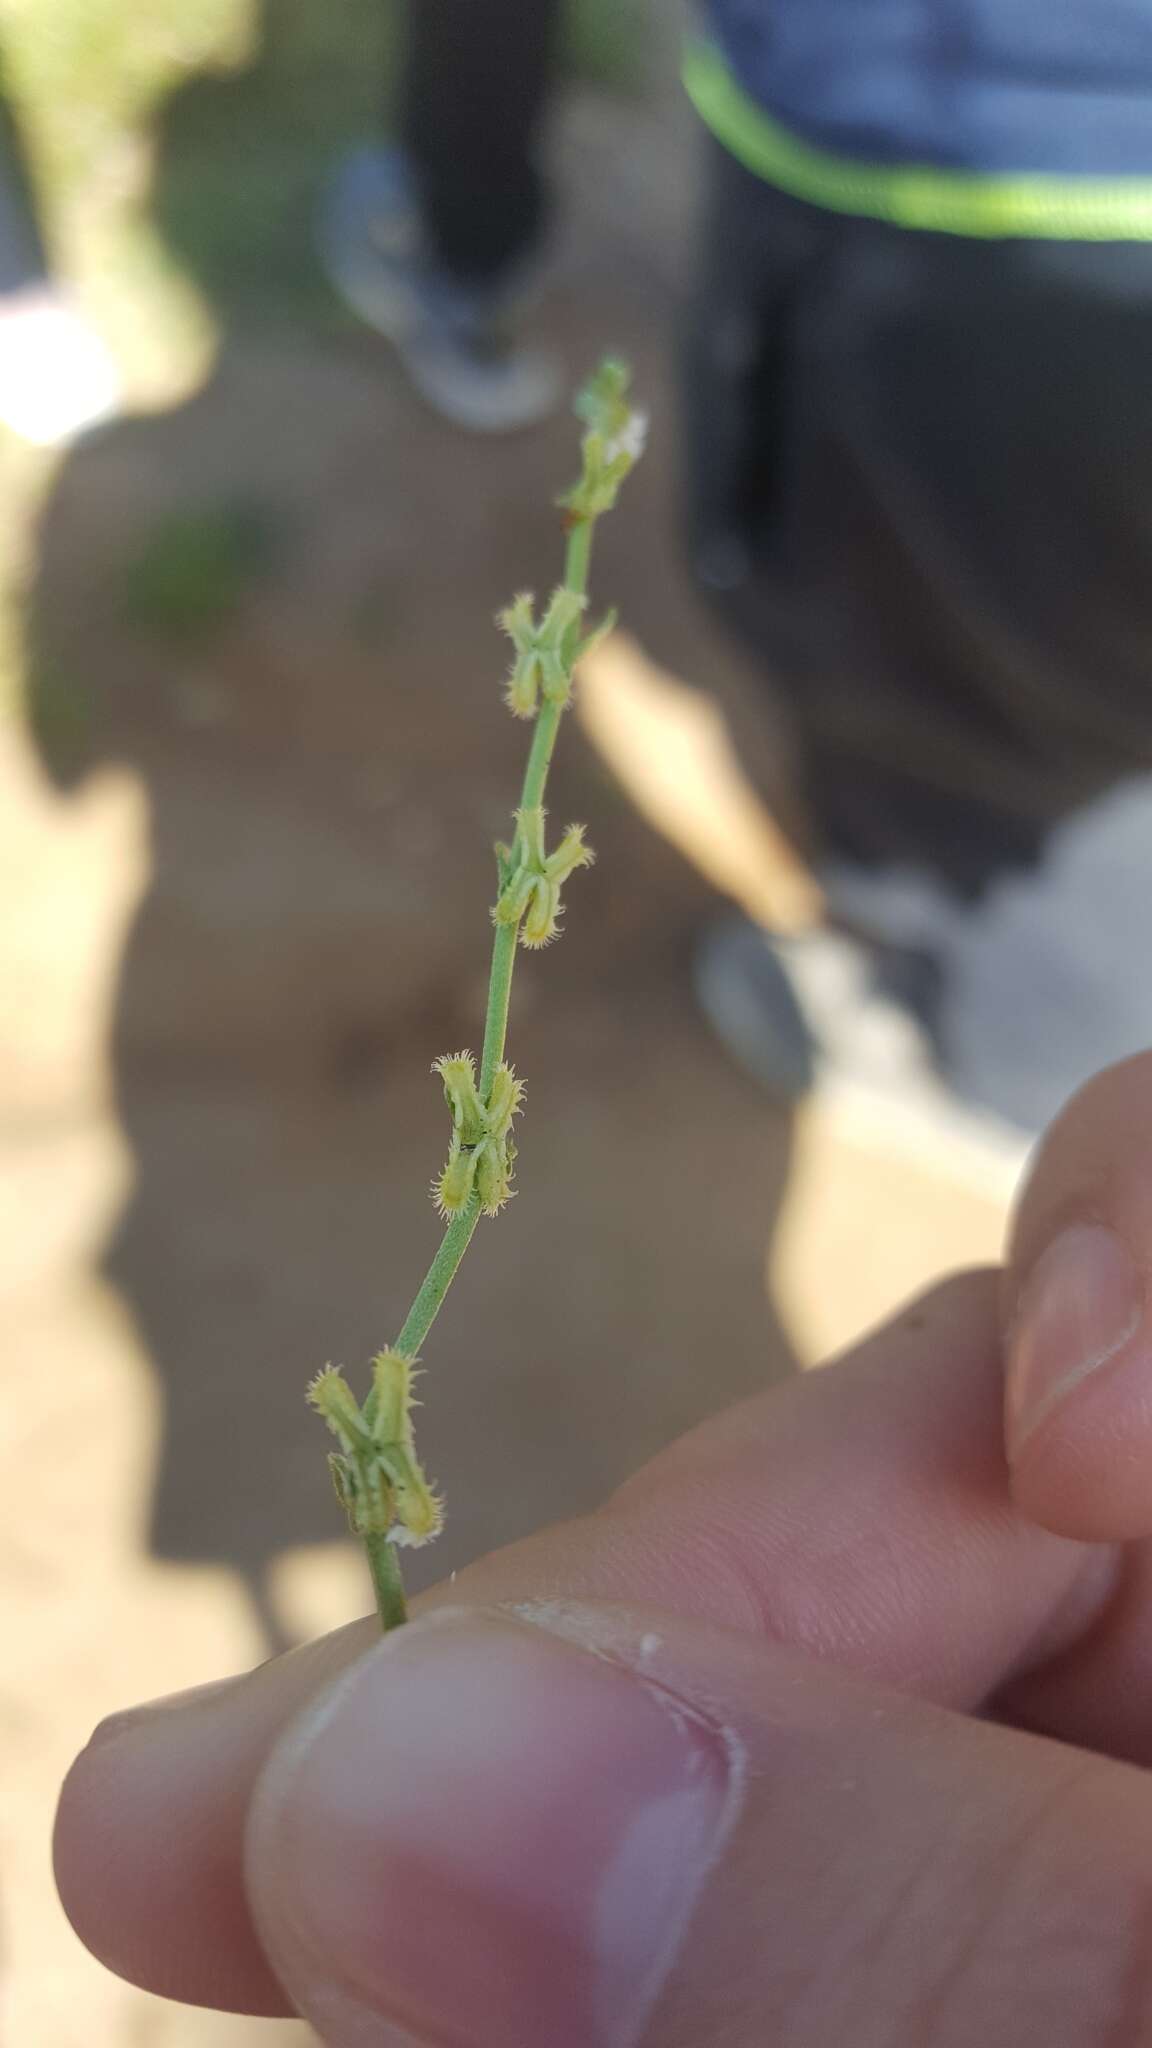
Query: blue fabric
{"x": 1056, "y": 86}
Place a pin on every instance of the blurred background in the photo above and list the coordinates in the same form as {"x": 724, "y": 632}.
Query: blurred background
{"x": 252, "y": 757}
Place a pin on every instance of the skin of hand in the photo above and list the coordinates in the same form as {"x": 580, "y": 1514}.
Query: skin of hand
{"x": 834, "y": 1724}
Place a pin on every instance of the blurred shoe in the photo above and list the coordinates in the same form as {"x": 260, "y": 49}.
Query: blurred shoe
{"x": 897, "y": 907}
{"x": 826, "y": 1013}
{"x": 1050, "y": 976}
{"x": 981, "y": 1018}
{"x": 455, "y": 343}
{"x": 1044, "y": 980}
{"x": 794, "y": 1009}
{"x": 57, "y": 379}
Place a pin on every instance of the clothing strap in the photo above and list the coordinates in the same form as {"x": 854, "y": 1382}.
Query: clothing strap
{"x": 913, "y": 196}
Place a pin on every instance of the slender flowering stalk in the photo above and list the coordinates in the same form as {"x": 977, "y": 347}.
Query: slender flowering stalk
{"x": 377, "y": 1475}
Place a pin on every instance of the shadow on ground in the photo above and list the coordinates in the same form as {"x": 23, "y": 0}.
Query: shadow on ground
{"x": 274, "y": 606}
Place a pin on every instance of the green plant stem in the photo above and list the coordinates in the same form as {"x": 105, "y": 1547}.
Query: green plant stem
{"x": 387, "y": 1583}
{"x": 544, "y": 735}
{"x": 438, "y": 1280}
{"x": 499, "y": 998}
{"x": 383, "y": 1562}
{"x": 579, "y": 555}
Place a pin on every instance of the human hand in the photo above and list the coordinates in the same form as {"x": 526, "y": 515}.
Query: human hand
{"x": 833, "y": 1725}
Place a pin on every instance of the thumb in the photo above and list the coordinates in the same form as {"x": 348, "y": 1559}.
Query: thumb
{"x": 597, "y": 1829}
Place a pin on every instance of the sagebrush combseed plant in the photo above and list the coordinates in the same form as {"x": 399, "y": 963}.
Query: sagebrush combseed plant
{"x": 378, "y": 1477}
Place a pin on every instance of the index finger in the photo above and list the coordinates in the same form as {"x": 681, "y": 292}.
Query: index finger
{"x": 1077, "y": 1321}
{"x": 1078, "y": 1339}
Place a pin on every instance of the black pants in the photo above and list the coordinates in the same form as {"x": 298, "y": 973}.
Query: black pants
{"x": 475, "y": 84}
{"x": 920, "y": 476}
{"x": 23, "y": 262}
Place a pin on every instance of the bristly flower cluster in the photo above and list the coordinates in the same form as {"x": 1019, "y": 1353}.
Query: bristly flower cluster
{"x": 376, "y": 1473}
{"x": 541, "y": 667}
{"x": 533, "y": 878}
{"x": 612, "y": 445}
{"x": 481, "y": 1155}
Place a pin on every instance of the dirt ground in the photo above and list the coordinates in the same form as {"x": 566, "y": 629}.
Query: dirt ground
{"x": 235, "y": 927}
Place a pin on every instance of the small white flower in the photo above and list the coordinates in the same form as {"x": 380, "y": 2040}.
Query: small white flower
{"x": 630, "y": 440}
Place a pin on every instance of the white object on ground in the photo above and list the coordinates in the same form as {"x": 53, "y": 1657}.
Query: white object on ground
{"x": 57, "y": 378}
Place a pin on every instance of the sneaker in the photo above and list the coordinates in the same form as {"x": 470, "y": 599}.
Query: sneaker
{"x": 893, "y": 907}
{"x": 1049, "y": 976}
{"x": 1044, "y": 979}
{"x": 57, "y": 379}
{"x": 795, "y": 1009}
{"x": 825, "y": 1014}
{"x": 455, "y": 344}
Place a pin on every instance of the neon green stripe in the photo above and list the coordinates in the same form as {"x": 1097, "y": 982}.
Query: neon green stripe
{"x": 914, "y": 195}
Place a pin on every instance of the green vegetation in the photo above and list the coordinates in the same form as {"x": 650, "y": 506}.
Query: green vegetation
{"x": 195, "y": 567}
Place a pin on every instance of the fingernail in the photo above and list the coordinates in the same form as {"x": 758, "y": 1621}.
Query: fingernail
{"x": 487, "y": 1836}
{"x": 1080, "y": 1306}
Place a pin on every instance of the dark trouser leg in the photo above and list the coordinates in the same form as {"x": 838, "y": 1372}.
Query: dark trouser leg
{"x": 474, "y": 93}
{"x": 22, "y": 258}
{"x": 936, "y": 456}
{"x": 735, "y": 368}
